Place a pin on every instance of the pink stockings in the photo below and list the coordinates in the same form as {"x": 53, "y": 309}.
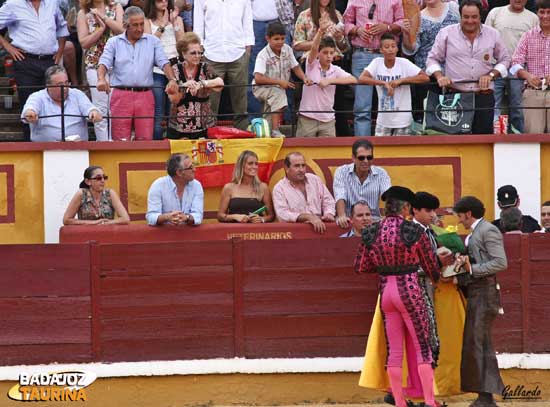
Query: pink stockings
{"x": 397, "y": 323}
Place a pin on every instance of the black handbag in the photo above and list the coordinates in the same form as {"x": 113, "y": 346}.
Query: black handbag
{"x": 452, "y": 113}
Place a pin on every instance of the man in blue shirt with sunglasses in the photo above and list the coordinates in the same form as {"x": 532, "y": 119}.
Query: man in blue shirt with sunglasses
{"x": 358, "y": 181}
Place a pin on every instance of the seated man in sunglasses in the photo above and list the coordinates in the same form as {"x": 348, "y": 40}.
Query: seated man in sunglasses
{"x": 358, "y": 181}
{"x": 43, "y": 109}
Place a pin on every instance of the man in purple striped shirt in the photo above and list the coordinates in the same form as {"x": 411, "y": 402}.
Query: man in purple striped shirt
{"x": 473, "y": 55}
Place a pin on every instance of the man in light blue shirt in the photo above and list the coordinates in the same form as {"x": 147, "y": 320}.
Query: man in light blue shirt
{"x": 37, "y": 30}
{"x": 358, "y": 181}
{"x": 176, "y": 198}
{"x": 131, "y": 56}
{"x": 47, "y": 102}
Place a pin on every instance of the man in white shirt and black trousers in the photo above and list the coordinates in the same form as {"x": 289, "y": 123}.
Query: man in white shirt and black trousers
{"x": 227, "y": 34}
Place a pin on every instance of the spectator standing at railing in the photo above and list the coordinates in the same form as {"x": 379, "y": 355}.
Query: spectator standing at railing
{"x": 47, "y": 102}
{"x": 38, "y": 32}
{"x": 307, "y": 25}
{"x": 97, "y": 21}
{"x": 164, "y": 23}
{"x": 365, "y": 22}
{"x": 531, "y": 62}
{"x": 226, "y": 31}
{"x": 177, "y": 198}
{"x": 272, "y": 72}
{"x": 392, "y": 76}
{"x": 436, "y": 15}
{"x": 130, "y": 58}
{"x": 191, "y": 115}
{"x": 316, "y": 107}
{"x": 302, "y": 197}
{"x": 470, "y": 51}
{"x": 264, "y": 12}
{"x": 511, "y": 22}
{"x": 359, "y": 181}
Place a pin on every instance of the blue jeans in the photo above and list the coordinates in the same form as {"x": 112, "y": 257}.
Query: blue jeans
{"x": 363, "y": 93}
{"x": 162, "y": 104}
{"x": 514, "y": 91}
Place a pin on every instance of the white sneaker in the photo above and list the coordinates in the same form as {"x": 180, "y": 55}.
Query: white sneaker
{"x": 277, "y": 133}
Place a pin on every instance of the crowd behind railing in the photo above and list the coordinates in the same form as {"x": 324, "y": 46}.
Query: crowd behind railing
{"x": 156, "y": 71}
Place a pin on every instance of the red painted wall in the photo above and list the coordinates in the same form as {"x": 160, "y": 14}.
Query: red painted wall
{"x": 210, "y": 299}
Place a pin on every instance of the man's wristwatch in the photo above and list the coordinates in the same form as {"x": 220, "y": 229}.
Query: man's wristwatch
{"x": 492, "y": 75}
{"x": 161, "y": 29}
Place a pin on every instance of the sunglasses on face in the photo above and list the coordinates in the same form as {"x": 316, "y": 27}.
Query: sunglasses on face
{"x": 372, "y": 10}
{"x": 100, "y": 178}
{"x": 188, "y": 168}
{"x": 365, "y": 157}
{"x": 194, "y": 53}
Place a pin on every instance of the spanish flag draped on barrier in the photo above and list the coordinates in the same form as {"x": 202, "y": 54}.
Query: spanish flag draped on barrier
{"x": 214, "y": 159}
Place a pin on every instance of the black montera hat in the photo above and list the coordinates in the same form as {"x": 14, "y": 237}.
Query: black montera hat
{"x": 507, "y": 196}
{"x": 398, "y": 192}
{"x": 425, "y": 200}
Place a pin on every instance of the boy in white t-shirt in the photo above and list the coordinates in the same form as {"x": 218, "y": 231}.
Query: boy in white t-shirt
{"x": 316, "y": 107}
{"x": 392, "y": 76}
{"x": 273, "y": 65}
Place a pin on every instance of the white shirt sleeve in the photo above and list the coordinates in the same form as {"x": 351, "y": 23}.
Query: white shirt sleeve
{"x": 260, "y": 65}
{"x": 198, "y": 18}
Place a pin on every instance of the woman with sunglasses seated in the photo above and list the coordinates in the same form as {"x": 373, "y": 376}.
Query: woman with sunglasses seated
{"x": 94, "y": 204}
{"x": 190, "y": 114}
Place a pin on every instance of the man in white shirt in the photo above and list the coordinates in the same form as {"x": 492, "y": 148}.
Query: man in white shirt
{"x": 511, "y": 21}
{"x": 226, "y": 31}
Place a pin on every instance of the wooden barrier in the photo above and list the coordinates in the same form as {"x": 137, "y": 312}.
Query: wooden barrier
{"x": 222, "y": 298}
{"x": 214, "y": 231}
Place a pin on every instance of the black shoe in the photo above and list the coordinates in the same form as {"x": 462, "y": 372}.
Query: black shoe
{"x": 389, "y": 399}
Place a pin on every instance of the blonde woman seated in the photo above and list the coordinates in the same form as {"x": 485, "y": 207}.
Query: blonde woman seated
{"x": 244, "y": 197}
{"x": 94, "y": 204}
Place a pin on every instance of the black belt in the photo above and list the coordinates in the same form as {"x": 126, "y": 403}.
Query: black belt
{"x": 34, "y": 56}
{"x": 134, "y": 89}
{"x": 371, "y": 50}
{"x": 397, "y": 270}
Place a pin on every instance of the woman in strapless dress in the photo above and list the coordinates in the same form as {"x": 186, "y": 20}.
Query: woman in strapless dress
{"x": 243, "y": 198}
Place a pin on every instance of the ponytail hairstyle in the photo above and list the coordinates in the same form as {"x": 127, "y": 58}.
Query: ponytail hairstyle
{"x": 88, "y": 172}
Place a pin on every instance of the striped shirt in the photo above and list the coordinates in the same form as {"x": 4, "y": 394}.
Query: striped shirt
{"x": 532, "y": 54}
{"x": 357, "y": 15}
{"x": 349, "y": 188}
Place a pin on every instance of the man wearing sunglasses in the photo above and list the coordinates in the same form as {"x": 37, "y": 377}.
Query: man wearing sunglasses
{"x": 365, "y": 22}
{"x": 359, "y": 181}
{"x": 177, "y": 198}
